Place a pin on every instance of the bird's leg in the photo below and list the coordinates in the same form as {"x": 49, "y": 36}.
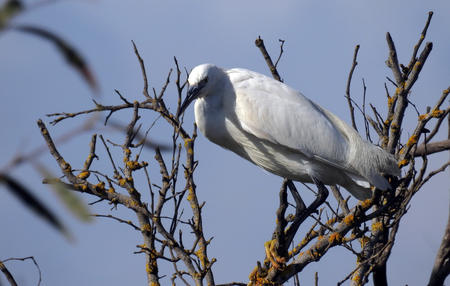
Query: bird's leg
{"x": 299, "y": 204}
{"x": 323, "y": 191}
{"x": 276, "y": 250}
{"x": 301, "y": 211}
{"x": 300, "y": 208}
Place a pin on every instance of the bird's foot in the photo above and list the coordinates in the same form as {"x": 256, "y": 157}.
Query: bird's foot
{"x": 257, "y": 277}
{"x": 277, "y": 261}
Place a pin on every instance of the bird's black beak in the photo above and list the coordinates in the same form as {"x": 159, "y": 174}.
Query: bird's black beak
{"x": 192, "y": 94}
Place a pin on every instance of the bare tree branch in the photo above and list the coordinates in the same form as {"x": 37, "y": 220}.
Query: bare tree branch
{"x": 441, "y": 268}
{"x": 431, "y": 148}
{"x": 7, "y": 274}
{"x": 273, "y": 69}
{"x": 347, "y": 90}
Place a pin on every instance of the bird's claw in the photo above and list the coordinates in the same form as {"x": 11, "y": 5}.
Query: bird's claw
{"x": 278, "y": 262}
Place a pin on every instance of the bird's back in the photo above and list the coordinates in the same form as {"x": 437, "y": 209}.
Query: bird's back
{"x": 275, "y": 112}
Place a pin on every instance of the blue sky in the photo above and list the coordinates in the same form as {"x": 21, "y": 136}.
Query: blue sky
{"x": 241, "y": 199}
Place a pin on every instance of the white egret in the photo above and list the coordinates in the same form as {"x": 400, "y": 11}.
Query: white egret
{"x": 277, "y": 128}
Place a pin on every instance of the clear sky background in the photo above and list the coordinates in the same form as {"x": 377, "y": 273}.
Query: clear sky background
{"x": 241, "y": 199}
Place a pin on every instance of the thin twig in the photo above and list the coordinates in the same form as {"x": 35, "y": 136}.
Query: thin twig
{"x": 273, "y": 69}
{"x": 92, "y": 154}
{"x": 281, "y": 52}
{"x": 109, "y": 155}
{"x": 143, "y": 70}
{"x": 129, "y": 222}
{"x": 392, "y": 61}
{"x": 23, "y": 259}
{"x": 413, "y": 60}
{"x": 441, "y": 268}
{"x": 366, "y": 123}
{"x": 347, "y": 89}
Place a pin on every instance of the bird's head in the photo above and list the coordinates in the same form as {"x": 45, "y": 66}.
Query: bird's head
{"x": 201, "y": 81}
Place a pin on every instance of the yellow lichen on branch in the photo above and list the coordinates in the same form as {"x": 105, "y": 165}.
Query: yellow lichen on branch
{"x": 391, "y": 100}
{"x": 437, "y": 113}
{"x": 100, "y": 186}
{"x": 84, "y": 175}
{"x": 134, "y": 165}
{"x": 256, "y": 279}
{"x": 389, "y": 119}
{"x": 356, "y": 278}
{"x": 423, "y": 117}
{"x": 331, "y": 221}
{"x": 190, "y": 195}
{"x": 298, "y": 247}
{"x": 188, "y": 144}
{"x": 417, "y": 65}
{"x": 377, "y": 226}
{"x": 146, "y": 227}
{"x": 364, "y": 240}
{"x": 66, "y": 167}
{"x": 366, "y": 203}
{"x": 200, "y": 254}
{"x": 349, "y": 219}
{"x": 335, "y": 237}
{"x": 412, "y": 140}
{"x": 403, "y": 163}
{"x": 122, "y": 182}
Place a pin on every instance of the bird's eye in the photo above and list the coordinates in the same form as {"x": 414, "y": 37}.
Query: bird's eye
{"x": 204, "y": 81}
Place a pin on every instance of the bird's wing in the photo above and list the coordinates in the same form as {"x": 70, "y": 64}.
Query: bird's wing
{"x": 272, "y": 111}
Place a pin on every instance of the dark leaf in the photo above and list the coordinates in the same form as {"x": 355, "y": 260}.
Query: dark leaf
{"x": 25, "y": 196}
{"x": 10, "y": 9}
{"x": 71, "y": 55}
{"x": 70, "y": 199}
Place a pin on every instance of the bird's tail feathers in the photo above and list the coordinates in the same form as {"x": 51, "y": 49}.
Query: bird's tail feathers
{"x": 369, "y": 160}
{"x": 365, "y": 159}
{"x": 359, "y": 192}
{"x": 379, "y": 181}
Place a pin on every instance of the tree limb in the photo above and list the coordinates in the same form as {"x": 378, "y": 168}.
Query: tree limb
{"x": 260, "y": 44}
{"x": 441, "y": 268}
{"x": 7, "y": 274}
{"x": 347, "y": 90}
{"x": 431, "y": 148}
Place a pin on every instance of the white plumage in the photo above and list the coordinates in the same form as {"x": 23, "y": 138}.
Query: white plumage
{"x": 277, "y": 128}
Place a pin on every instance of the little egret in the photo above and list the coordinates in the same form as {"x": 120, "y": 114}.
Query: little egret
{"x": 277, "y": 128}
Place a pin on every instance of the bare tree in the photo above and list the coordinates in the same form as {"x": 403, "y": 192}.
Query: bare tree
{"x": 385, "y": 210}
{"x": 169, "y": 213}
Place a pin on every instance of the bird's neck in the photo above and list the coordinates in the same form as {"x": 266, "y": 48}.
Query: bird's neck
{"x": 209, "y": 113}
